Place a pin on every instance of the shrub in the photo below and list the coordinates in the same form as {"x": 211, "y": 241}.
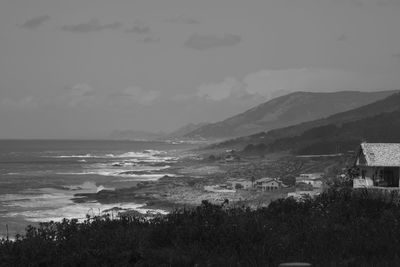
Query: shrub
{"x": 341, "y": 227}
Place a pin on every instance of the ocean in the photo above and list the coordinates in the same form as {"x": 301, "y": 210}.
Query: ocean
{"x": 38, "y": 178}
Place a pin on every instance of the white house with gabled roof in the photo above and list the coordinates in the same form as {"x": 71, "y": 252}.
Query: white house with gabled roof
{"x": 379, "y": 165}
{"x": 269, "y": 184}
{"x": 313, "y": 179}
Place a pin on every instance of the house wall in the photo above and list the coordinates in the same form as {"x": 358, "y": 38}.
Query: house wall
{"x": 273, "y": 185}
{"x": 317, "y": 184}
{"x": 314, "y": 183}
{"x": 376, "y": 176}
{"x": 366, "y": 177}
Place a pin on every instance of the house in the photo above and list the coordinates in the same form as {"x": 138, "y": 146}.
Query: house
{"x": 269, "y": 184}
{"x": 378, "y": 164}
{"x": 313, "y": 179}
{"x": 231, "y": 158}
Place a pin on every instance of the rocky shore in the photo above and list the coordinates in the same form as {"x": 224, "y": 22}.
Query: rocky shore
{"x": 187, "y": 187}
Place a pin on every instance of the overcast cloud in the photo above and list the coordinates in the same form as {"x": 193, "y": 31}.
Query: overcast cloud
{"x": 35, "y": 22}
{"x": 204, "y": 42}
{"x": 91, "y": 26}
{"x": 83, "y": 68}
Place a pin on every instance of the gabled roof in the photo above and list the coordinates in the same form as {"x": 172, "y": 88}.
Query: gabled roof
{"x": 380, "y": 154}
{"x": 310, "y": 176}
{"x": 268, "y": 180}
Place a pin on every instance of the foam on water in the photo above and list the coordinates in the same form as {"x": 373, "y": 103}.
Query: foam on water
{"x": 124, "y": 174}
{"x": 40, "y": 179}
{"x": 48, "y": 204}
{"x": 79, "y": 211}
{"x": 146, "y": 154}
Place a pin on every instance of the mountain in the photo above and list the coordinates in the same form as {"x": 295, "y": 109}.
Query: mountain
{"x": 287, "y": 110}
{"x": 375, "y": 122}
{"x": 151, "y": 136}
{"x": 334, "y": 138}
{"x": 184, "y": 130}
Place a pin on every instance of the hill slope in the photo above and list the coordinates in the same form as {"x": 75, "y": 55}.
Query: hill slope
{"x": 334, "y": 138}
{"x": 337, "y": 133}
{"x": 184, "y": 130}
{"x": 287, "y": 110}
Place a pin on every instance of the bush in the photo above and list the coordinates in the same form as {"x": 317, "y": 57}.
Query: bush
{"x": 238, "y": 186}
{"x": 341, "y": 227}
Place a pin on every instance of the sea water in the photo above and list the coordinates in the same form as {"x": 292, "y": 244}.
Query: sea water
{"x": 38, "y": 178}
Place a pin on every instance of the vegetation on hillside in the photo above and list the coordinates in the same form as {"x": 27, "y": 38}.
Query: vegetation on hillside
{"x": 341, "y": 138}
{"x": 340, "y": 227}
{"x": 287, "y": 110}
{"x": 318, "y": 136}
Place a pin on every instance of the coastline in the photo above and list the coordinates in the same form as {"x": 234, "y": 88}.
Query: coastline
{"x": 186, "y": 188}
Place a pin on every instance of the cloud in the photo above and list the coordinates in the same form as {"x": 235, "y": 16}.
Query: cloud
{"x": 139, "y": 29}
{"x": 91, "y": 26}
{"x": 268, "y": 84}
{"x": 204, "y": 42}
{"x": 369, "y": 3}
{"x": 182, "y": 20}
{"x": 81, "y": 94}
{"x": 150, "y": 39}
{"x": 220, "y": 91}
{"x": 358, "y": 3}
{"x": 35, "y": 22}
{"x": 138, "y": 95}
{"x": 28, "y": 102}
{"x": 342, "y": 38}
{"x": 82, "y": 90}
{"x": 388, "y": 3}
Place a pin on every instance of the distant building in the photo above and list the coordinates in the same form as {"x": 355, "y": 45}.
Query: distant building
{"x": 379, "y": 165}
{"x": 313, "y": 179}
{"x": 269, "y": 184}
{"x": 231, "y": 158}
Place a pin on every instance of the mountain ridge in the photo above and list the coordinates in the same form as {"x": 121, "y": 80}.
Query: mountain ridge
{"x": 308, "y": 133}
{"x": 287, "y": 110}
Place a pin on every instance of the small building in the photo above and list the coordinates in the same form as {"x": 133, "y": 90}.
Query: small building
{"x": 269, "y": 184}
{"x": 378, "y": 164}
{"x": 313, "y": 179}
{"x": 231, "y": 158}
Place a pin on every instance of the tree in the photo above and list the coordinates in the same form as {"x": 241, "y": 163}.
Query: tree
{"x": 238, "y": 186}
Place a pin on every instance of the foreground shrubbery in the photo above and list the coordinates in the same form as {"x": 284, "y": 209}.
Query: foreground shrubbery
{"x": 339, "y": 228}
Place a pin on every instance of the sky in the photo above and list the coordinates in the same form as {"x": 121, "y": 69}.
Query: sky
{"x": 83, "y": 68}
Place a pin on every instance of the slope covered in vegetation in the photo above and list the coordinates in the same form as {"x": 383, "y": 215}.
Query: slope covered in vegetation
{"x": 338, "y": 228}
{"x": 388, "y": 105}
{"x": 331, "y": 138}
{"x": 287, "y": 110}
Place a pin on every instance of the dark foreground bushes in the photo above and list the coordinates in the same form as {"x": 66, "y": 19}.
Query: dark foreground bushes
{"x": 338, "y": 228}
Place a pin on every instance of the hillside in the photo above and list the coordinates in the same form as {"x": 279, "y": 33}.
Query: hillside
{"x": 333, "y": 138}
{"x": 184, "y": 130}
{"x": 151, "y": 136}
{"x": 388, "y": 104}
{"x": 287, "y": 110}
